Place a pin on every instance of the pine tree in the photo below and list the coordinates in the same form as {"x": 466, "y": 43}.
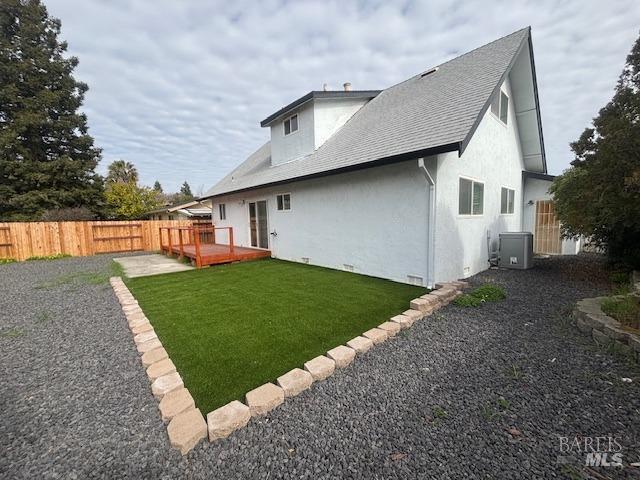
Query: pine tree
{"x": 599, "y": 196}
{"x": 157, "y": 187}
{"x": 185, "y": 192}
{"x": 47, "y": 158}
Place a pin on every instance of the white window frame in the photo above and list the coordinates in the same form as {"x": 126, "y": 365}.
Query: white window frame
{"x": 499, "y": 98}
{"x": 282, "y": 195}
{"x": 473, "y": 181}
{"x": 288, "y": 119}
{"x": 513, "y": 204}
{"x": 222, "y": 211}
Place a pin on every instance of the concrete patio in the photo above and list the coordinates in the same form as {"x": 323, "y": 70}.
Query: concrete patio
{"x": 154, "y": 264}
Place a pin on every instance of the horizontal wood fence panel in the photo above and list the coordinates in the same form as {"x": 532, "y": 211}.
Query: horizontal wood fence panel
{"x": 22, "y": 240}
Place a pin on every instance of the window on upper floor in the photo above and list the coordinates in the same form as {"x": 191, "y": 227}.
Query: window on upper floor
{"x": 507, "y": 200}
{"x": 283, "y": 201}
{"x": 500, "y": 107}
{"x": 222, "y": 210}
{"x": 291, "y": 124}
{"x": 470, "y": 197}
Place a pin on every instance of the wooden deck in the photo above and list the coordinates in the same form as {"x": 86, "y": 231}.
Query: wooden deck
{"x": 217, "y": 253}
{"x": 199, "y": 244}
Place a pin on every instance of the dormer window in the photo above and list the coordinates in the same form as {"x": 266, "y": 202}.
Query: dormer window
{"x": 291, "y": 124}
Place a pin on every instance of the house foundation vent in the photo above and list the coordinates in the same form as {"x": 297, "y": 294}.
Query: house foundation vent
{"x": 348, "y": 268}
{"x": 305, "y": 260}
{"x": 415, "y": 280}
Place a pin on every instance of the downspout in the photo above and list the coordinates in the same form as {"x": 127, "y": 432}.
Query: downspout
{"x": 431, "y": 220}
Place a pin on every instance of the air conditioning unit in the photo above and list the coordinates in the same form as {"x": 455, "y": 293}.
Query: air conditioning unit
{"x": 516, "y": 250}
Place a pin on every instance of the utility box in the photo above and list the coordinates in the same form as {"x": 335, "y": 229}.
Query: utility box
{"x": 516, "y": 250}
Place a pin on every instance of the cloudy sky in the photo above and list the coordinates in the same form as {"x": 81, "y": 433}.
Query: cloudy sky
{"x": 179, "y": 87}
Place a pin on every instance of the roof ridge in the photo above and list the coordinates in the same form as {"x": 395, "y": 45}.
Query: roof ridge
{"x": 528, "y": 28}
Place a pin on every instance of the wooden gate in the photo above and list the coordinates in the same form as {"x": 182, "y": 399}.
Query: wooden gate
{"x": 121, "y": 237}
{"x": 547, "y": 237}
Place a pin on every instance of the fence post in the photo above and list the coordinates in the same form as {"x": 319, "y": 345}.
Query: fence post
{"x": 231, "y": 240}
{"x": 170, "y": 243}
{"x": 196, "y": 237}
{"x": 180, "y": 240}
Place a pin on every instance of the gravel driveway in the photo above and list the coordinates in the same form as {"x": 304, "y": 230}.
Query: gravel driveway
{"x": 437, "y": 401}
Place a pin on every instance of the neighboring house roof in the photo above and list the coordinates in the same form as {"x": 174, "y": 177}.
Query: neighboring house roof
{"x": 424, "y": 115}
{"x": 186, "y": 209}
{"x": 314, "y": 95}
{"x": 195, "y": 212}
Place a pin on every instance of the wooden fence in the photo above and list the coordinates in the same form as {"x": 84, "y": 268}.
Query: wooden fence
{"x": 20, "y": 240}
{"x": 547, "y": 237}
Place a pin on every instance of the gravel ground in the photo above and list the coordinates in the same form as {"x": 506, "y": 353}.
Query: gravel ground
{"x": 437, "y": 401}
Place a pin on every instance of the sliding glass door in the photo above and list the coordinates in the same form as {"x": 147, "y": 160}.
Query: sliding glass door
{"x": 258, "y": 224}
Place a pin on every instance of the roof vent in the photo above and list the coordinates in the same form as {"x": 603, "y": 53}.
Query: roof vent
{"x": 347, "y": 87}
{"x": 429, "y": 72}
{"x": 325, "y": 87}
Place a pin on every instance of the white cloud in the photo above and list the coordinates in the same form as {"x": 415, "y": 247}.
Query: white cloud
{"x": 179, "y": 88}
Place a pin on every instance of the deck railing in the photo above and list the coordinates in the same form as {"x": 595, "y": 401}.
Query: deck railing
{"x": 191, "y": 241}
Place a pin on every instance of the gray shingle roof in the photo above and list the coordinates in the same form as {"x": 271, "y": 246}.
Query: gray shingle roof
{"x": 437, "y": 112}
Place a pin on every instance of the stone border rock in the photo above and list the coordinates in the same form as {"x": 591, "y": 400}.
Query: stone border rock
{"x": 603, "y": 329}
{"x": 187, "y": 427}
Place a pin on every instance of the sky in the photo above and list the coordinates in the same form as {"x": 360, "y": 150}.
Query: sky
{"x": 179, "y": 88}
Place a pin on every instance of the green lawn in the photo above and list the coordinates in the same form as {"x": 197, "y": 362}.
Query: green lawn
{"x": 231, "y": 328}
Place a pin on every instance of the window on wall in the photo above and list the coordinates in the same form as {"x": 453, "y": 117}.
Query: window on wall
{"x": 500, "y": 107}
{"x": 283, "y": 201}
{"x": 470, "y": 197}
{"x": 507, "y": 200}
{"x": 504, "y": 107}
{"x": 222, "y": 210}
{"x": 291, "y": 124}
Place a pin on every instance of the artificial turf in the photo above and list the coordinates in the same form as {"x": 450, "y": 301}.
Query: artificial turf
{"x": 231, "y": 328}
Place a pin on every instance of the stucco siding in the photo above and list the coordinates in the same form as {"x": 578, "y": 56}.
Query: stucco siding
{"x": 330, "y": 115}
{"x": 534, "y": 189}
{"x": 285, "y": 148}
{"x": 493, "y": 157}
{"x": 373, "y": 220}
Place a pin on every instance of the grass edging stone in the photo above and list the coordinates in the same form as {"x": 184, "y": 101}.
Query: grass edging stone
{"x": 186, "y": 425}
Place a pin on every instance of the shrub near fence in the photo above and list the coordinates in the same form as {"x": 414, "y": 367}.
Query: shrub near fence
{"x": 21, "y": 240}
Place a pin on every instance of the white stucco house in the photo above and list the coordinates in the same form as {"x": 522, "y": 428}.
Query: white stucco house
{"x": 412, "y": 183}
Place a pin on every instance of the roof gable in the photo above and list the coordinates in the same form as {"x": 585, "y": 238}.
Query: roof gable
{"x": 421, "y": 116}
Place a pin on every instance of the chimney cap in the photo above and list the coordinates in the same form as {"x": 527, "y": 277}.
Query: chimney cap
{"x": 347, "y": 86}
